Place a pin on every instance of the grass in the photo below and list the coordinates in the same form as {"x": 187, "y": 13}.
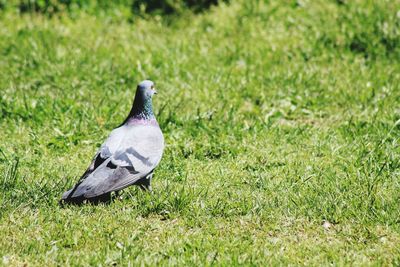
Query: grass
{"x": 278, "y": 116}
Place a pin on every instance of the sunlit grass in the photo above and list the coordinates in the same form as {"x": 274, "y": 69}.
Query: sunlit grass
{"x": 277, "y": 116}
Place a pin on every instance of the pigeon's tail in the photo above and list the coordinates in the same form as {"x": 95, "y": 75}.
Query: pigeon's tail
{"x": 67, "y": 199}
{"x": 66, "y": 195}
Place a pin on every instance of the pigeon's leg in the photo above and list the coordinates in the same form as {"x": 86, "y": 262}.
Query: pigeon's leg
{"x": 145, "y": 183}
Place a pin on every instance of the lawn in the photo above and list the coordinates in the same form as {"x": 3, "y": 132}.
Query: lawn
{"x": 282, "y": 127}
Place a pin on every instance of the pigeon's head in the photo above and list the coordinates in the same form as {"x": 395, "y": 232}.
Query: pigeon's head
{"x": 146, "y": 89}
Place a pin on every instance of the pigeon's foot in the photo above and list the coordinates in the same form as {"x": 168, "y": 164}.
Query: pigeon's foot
{"x": 146, "y": 188}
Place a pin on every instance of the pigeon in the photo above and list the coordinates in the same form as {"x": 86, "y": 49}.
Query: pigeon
{"x": 128, "y": 156}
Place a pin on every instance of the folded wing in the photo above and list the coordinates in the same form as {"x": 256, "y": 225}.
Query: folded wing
{"x": 128, "y": 155}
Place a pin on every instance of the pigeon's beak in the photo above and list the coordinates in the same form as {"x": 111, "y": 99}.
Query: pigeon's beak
{"x": 154, "y": 91}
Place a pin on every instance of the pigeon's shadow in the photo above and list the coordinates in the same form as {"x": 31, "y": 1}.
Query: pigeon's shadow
{"x": 105, "y": 199}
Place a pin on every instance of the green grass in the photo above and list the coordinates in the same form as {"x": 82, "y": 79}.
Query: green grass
{"x": 278, "y": 116}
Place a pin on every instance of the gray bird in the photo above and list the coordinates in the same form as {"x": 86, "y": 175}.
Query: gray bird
{"x": 128, "y": 156}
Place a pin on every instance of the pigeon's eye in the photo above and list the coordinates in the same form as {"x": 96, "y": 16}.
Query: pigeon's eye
{"x": 152, "y": 87}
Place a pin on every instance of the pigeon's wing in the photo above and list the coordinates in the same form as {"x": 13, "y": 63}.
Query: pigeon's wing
{"x": 111, "y": 144}
{"x": 130, "y": 155}
{"x": 103, "y": 154}
{"x": 96, "y": 162}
